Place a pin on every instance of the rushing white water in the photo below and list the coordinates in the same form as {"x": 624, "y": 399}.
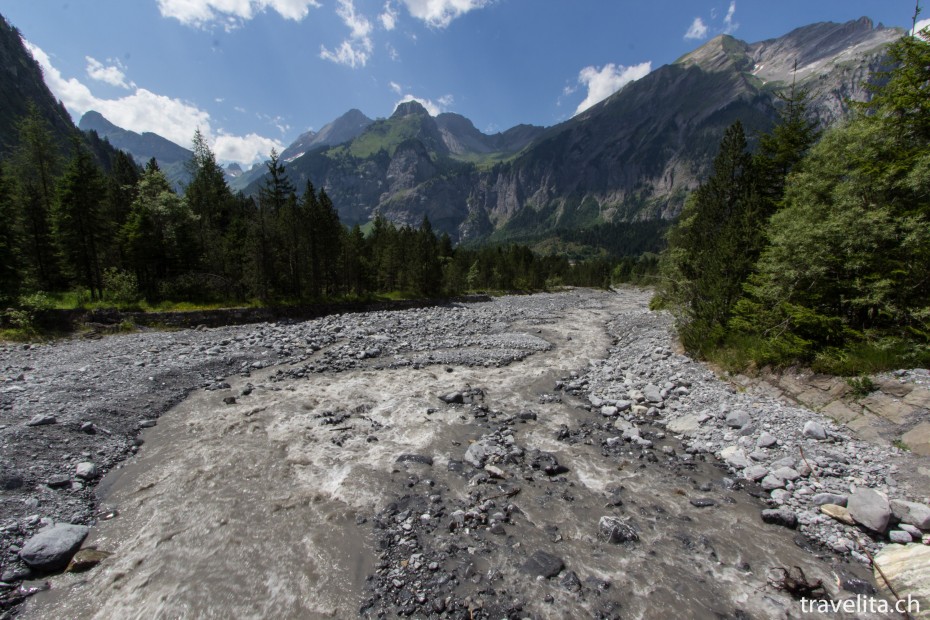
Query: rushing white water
{"x": 255, "y": 510}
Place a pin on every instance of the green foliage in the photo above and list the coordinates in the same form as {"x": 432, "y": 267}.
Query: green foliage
{"x": 840, "y": 281}
{"x": 121, "y": 287}
{"x": 712, "y": 247}
{"x": 861, "y": 386}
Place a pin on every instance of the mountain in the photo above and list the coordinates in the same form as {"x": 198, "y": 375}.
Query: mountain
{"x": 634, "y": 156}
{"x": 22, "y": 85}
{"x": 343, "y": 129}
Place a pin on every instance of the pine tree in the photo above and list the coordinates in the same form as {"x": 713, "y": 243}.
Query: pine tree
{"x": 712, "y": 248}
{"x": 10, "y": 276}
{"x": 35, "y": 166}
{"x": 272, "y": 198}
{"x": 76, "y": 218}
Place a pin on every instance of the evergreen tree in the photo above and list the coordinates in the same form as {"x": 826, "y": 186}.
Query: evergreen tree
{"x": 10, "y": 276}
{"x": 120, "y": 192}
{"x": 35, "y": 166}
{"x": 272, "y": 198}
{"x": 76, "y": 218}
{"x": 157, "y": 236}
{"x": 328, "y": 239}
{"x": 712, "y": 248}
{"x": 426, "y": 267}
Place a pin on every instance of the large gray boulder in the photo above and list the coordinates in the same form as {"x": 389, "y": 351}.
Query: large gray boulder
{"x": 51, "y": 549}
{"x": 911, "y": 513}
{"x": 870, "y": 509}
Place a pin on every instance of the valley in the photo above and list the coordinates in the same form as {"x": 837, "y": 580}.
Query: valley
{"x": 527, "y": 457}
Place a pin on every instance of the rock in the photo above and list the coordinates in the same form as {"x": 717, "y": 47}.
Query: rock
{"x": 609, "y": 411}
{"x": 911, "y": 513}
{"x": 755, "y": 473}
{"x": 900, "y": 537}
{"x": 42, "y": 419}
{"x": 766, "y": 440}
{"x": 542, "y": 564}
{"x": 623, "y": 405}
{"x": 770, "y": 483}
{"x": 737, "y": 419}
{"x": 527, "y": 415}
{"x": 829, "y": 498}
{"x": 780, "y": 516}
{"x": 147, "y": 423}
{"x": 547, "y": 463}
{"x": 453, "y": 398}
{"x": 615, "y": 530}
{"x": 86, "y": 559}
{"x": 89, "y": 428}
{"x": 703, "y": 502}
{"x": 10, "y": 481}
{"x": 86, "y": 470}
{"x": 415, "y": 458}
{"x": 910, "y": 529}
{"x": 652, "y": 393}
{"x": 570, "y": 581}
{"x": 685, "y": 425}
{"x": 479, "y": 452}
{"x": 52, "y": 548}
{"x": 229, "y": 400}
{"x": 870, "y": 509}
{"x": 734, "y": 457}
{"x": 58, "y": 482}
{"x": 786, "y": 473}
{"x": 814, "y": 430}
{"x": 837, "y": 512}
{"x": 907, "y": 569}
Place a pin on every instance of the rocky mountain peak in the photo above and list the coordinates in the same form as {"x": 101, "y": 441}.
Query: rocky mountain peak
{"x": 409, "y": 108}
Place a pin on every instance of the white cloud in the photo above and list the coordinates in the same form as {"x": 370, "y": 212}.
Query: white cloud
{"x": 605, "y": 82}
{"x": 144, "y": 110}
{"x": 392, "y": 52}
{"x": 434, "y": 109}
{"x": 112, "y": 74}
{"x": 697, "y": 30}
{"x": 440, "y": 13}
{"x": 231, "y": 13}
{"x": 730, "y": 26}
{"x": 388, "y": 17}
{"x": 921, "y": 25}
{"x": 446, "y": 100}
{"x": 396, "y": 87}
{"x": 356, "y": 50}
{"x": 244, "y": 149}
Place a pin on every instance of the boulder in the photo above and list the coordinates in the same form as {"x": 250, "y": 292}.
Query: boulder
{"x": 829, "y": 498}
{"x": 52, "y": 548}
{"x": 782, "y": 517}
{"x": 542, "y": 564}
{"x": 814, "y": 430}
{"x": 907, "y": 569}
{"x": 911, "y": 513}
{"x": 615, "y": 530}
{"x": 737, "y": 419}
{"x": 870, "y": 509}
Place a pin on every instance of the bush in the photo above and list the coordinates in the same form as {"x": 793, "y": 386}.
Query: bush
{"x": 120, "y": 287}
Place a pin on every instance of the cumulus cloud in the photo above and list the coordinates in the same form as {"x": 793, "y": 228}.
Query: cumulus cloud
{"x": 730, "y": 26}
{"x": 921, "y": 25}
{"x": 388, "y": 16}
{"x": 697, "y": 30}
{"x": 144, "y": 111}
{"x": 446, "y": 100}
{"x": 112, "y": 74}
{"x": 244, "y": 149}
{"x": 434, "y": 108}
{"x": 602, "y": 83}
{"x": 440, "y": 13}
{"x": 356, "y": 50}
{"x": 231, "y": 13}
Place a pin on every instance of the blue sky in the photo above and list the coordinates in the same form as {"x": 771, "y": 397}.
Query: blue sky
{"x": 254, "y": 74}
